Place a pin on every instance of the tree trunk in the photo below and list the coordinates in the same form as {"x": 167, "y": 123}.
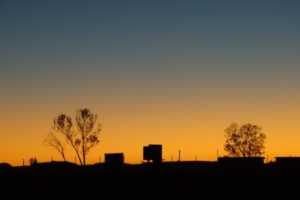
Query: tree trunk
{"x": 83, "y": 150}
{"x": 83, "y": 145}
{"x": 77, "y": 153}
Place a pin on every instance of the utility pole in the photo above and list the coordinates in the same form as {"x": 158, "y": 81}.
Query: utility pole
{"x": 179, "y": 155}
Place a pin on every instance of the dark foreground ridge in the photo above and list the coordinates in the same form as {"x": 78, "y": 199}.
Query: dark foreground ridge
{"x": 168, "y": 180}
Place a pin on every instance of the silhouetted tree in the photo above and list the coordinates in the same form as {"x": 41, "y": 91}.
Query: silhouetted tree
{"x": 63, "y": 124}
{"x": 88, "y": 130}
{"x": 246, "y": 141}
{"x": 82, "y": 140}
{"x": 53, "y": 141}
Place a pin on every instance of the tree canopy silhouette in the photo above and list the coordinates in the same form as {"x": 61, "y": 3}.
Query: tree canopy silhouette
{"x": 246, "y": 141}
{"x": 82, "y": 140}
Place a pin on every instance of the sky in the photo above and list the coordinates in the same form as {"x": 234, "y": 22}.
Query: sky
{"x": 175, "y": 73}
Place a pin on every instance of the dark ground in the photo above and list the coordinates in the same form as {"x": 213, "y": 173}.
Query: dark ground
{"x": 184, "y": 180}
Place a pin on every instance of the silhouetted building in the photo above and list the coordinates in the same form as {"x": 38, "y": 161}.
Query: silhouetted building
{"x": 114, "y": 159}
{"x": 288, "y": 162}
{"x": 153, "y": 152}
{"x": 241, "y": 162}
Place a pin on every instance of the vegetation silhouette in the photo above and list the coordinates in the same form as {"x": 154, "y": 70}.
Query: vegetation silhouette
{"x": 52, "y": 141}
{"x": 4, "y": 166}
{"x": 33, "y": 161}
{"x": 82, "y": 140}
{"x": 246, "y": 141}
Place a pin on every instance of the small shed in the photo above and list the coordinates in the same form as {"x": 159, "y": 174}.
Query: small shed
{"x": 114, "y": 159}
{"x": 153, "y": 152}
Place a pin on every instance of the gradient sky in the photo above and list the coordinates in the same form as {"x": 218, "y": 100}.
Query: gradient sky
{"x": 175, "y": 73}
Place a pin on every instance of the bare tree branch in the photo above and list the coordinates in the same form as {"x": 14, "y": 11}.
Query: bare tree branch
{"x": 52, "y": 141}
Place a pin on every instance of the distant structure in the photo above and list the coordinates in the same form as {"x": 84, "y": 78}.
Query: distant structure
{"x": 114, "y": 159}
{"x": 241, "y": 162}
{"x": 288, "y": 162}
{"x": 153, "y": 152}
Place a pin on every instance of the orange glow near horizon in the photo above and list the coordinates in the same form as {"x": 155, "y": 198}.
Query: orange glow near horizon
{"x": 196, "y": 129}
